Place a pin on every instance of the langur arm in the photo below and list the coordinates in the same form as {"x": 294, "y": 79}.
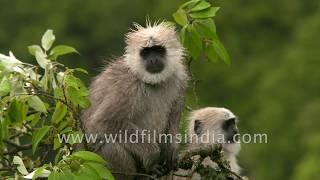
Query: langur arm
{"x": 110, "y": 109}
{"x": 169, "y": 149}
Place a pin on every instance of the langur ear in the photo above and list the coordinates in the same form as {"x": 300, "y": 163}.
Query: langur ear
{"x": 198, "y": 127}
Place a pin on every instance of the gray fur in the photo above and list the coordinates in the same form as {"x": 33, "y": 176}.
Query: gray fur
{"x": 121, "y": 100}
{"x": 211, "y": 119}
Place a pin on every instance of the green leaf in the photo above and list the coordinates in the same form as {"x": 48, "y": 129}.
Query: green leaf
{"x": 75, "y": 165}
{"x": 74, "y": 139}
{"x": 77, "y": 91}
{"x": 61, "y": 50}
{"x": 78, "y": 97}
{"x": 81, "y": 70}
{"x": 207, "y": 13}
{"x": 47, "y": 39}
{"x": 202, "y": 5}
{"x": 59, "y": 155}
{"x": 17, "y": 111}
{"x": 66, "y": 130}
{"x": 4, "y": 130}
{"x": 58, "y": 93}
{"x": 193, "y": 42}
{"x": 72, "y": 81}
{"x": 182, "y": 34}
{"x": 5, "y": 86}
{"x": 221, "y": 51}
{"x": 211, "y": 53}
{"x": 35, "y": 48}
{"x": 44, "y": 80}
{"x": 21, "y": 168}
{"x": 101, "y": 170}
{"x": 56, "y": 143}
{"x": 189, "y": 4}
{"x": 34, "y": 118}
{"x": 38, "y": 135}
{"x": 205, "y": 27}
{"x": 62, "y": 125}
{"x": 85, "y": 173}
{"x": 41, "y": 172}
{"x": 36, "y": 103}
{"x": 180, "y": 17}
{"x": 89, "y": 156}
{"x": 59, "y": 112}
{"x": 67, "y": 174}
{"x": 54, "y": 176}
{"x": 41, "y": 59}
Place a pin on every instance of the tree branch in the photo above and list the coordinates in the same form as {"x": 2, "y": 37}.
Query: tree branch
{"x": 18, "y": 148}
{"x": 193, "y": 80}
{"x": 212, "y": 151}
{"x": 5, "y": 169}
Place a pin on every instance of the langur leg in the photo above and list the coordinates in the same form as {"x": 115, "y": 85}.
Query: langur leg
{"x": 119, "y": 161}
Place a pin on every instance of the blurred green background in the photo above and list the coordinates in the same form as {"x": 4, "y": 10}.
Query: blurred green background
{"x": 273, "y": 84}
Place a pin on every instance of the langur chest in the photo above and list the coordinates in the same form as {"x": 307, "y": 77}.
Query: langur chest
{"x": 154, "y": 112}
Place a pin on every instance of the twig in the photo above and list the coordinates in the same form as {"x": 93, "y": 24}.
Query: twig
{"x": 18, "y": 149}
{"x": 222, "y": 166}
{"x": 80, "y": 127}
{"x": 11, "y": 143}
{"x": 194, "y": 90}
{"x": 20, "y": 132}
{"x": 49, "y": 96}
{"x": 182, "y": 175}
{"x": 203, "y": 152}
{"x": 193, "y": 80}
{"x": 235, "y": 174}
{"x": 15, "y": 135}
{"x": 5, "y": 169}
{"x": 9, "y": 162}
{"x": 189, "y": 66}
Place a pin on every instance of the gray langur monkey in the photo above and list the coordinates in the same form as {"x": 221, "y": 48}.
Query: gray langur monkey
{"x": 212, "y": 125}
{"x": 143, "y": 90}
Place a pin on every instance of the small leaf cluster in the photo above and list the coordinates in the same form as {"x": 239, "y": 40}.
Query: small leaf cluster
{"x": 198, "y": 31}
{"x": 79, "y": 165}
{"x": 38, "y": 103}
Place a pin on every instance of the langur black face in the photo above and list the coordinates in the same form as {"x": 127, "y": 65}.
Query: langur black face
{"x": 153, "y": 58}
{"x": 231, "y": 130}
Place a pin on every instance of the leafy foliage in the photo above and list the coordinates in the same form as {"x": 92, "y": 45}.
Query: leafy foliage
{"x": 198, "y": 30}
{"x": 39, "y": 102}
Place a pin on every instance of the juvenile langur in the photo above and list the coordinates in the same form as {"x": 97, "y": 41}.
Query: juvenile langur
{"x": 143, "y": 90}
{"x": 212, "y": 125}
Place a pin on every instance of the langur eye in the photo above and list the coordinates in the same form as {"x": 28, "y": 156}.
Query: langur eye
{"x": 159, "y": 49}
{"x": 197, "y": 127}
{"x": 146, "y": 51}
{"x": 229, "y": 123}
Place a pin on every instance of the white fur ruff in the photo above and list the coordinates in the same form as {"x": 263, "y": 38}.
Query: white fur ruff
{"x": 162, "y": 34}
